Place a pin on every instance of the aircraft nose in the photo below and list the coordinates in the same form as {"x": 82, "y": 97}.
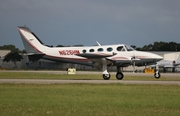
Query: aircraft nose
{"x": 157, "y": 57}
{"x": 153, "y": 56}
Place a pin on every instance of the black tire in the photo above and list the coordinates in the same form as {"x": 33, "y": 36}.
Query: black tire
{"x": 119, "y": 75}
{"x": 106, "y": 76}
{"x": 157, "y": 75}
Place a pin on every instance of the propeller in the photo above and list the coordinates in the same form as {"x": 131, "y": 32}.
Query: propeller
{"x": 133, "y": 60}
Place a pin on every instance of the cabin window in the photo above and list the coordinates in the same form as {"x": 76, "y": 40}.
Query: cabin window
{"x": 100, "y": 49}
{"x": 109, "y": 49}
{"x": 91, "y": 50}
{"x": 84, "y": 51}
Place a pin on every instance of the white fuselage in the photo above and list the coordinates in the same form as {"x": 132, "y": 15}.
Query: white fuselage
{"x": 110, "y": 52}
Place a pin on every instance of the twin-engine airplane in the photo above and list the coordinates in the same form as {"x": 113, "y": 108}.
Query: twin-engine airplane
{"x": 119, "y": 55}
{"x": 168, "y": 64}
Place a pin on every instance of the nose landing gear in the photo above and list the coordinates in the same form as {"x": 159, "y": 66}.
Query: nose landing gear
{"x": 106, "y": 76}
{"x": 157, "y": 75}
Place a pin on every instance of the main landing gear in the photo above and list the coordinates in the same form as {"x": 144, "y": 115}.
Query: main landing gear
{"x": 119, "y": 76}
{"x": 106, "y": 75}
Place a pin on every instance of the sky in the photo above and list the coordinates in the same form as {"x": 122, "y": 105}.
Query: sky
{"x": 74, "y": 22}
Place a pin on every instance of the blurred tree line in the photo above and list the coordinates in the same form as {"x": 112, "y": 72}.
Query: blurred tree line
{"x": 15, "y": 55}
{"x": 156, "y": 46}
{"x": 159, "y": 46}
{"x": 12, "y": 48}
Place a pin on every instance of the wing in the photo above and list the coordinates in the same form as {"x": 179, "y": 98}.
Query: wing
{"x": 96, "y": 58}
{"x": 111, "y": 59}
{"x": 96, "y": 55}
{"x": 122, "y": 61}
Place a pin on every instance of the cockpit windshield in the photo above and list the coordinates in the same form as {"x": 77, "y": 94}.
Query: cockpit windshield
{"x": 125, "y": 48}
{"x": 128, "y": 48}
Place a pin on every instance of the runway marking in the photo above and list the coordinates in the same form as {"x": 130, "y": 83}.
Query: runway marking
{"x": 42, "y": 81}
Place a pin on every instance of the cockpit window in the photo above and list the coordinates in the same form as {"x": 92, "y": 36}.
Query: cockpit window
{"x": 129, "y": 48}
{"x": 123, "y": 49}
{"x": 120, "y": 48}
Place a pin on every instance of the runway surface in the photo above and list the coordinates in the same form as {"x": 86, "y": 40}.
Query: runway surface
{"x": 42, "y": 81}
{"x": 48, "y": 81}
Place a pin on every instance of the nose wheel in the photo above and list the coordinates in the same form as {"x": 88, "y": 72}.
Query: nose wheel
{"x": 157, "y": 75}
{"x": 106, "y": 76}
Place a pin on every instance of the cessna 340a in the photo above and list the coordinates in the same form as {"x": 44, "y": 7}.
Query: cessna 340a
{"x": 100, "y": 56}
{"x": 165, "y": 64}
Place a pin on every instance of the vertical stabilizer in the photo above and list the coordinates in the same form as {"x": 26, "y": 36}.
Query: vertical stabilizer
{"x": 31, "y": 42}
{"x": 178, "y": 59}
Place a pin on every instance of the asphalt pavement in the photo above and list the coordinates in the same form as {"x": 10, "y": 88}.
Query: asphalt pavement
{"x": 48, "y": 81}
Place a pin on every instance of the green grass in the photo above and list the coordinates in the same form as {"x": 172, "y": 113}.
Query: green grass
{"x": 37, "y": 75}
{"x": 89, "y": 99}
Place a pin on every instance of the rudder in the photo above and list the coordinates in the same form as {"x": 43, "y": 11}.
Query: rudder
{"x": 31, "y": 42}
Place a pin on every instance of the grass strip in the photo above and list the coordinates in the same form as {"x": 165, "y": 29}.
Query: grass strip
{"x": 89, "y": 99}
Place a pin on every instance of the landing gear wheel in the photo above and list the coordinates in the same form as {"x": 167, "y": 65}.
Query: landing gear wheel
{"x": 157, "y": 75}
{"x": 119, "y": 75}
{"x": 106, "y": 76}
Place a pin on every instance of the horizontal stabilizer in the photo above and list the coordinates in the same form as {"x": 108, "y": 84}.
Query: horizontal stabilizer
{"x": 35, "y": 57}
{"x": 169, "y": 66}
